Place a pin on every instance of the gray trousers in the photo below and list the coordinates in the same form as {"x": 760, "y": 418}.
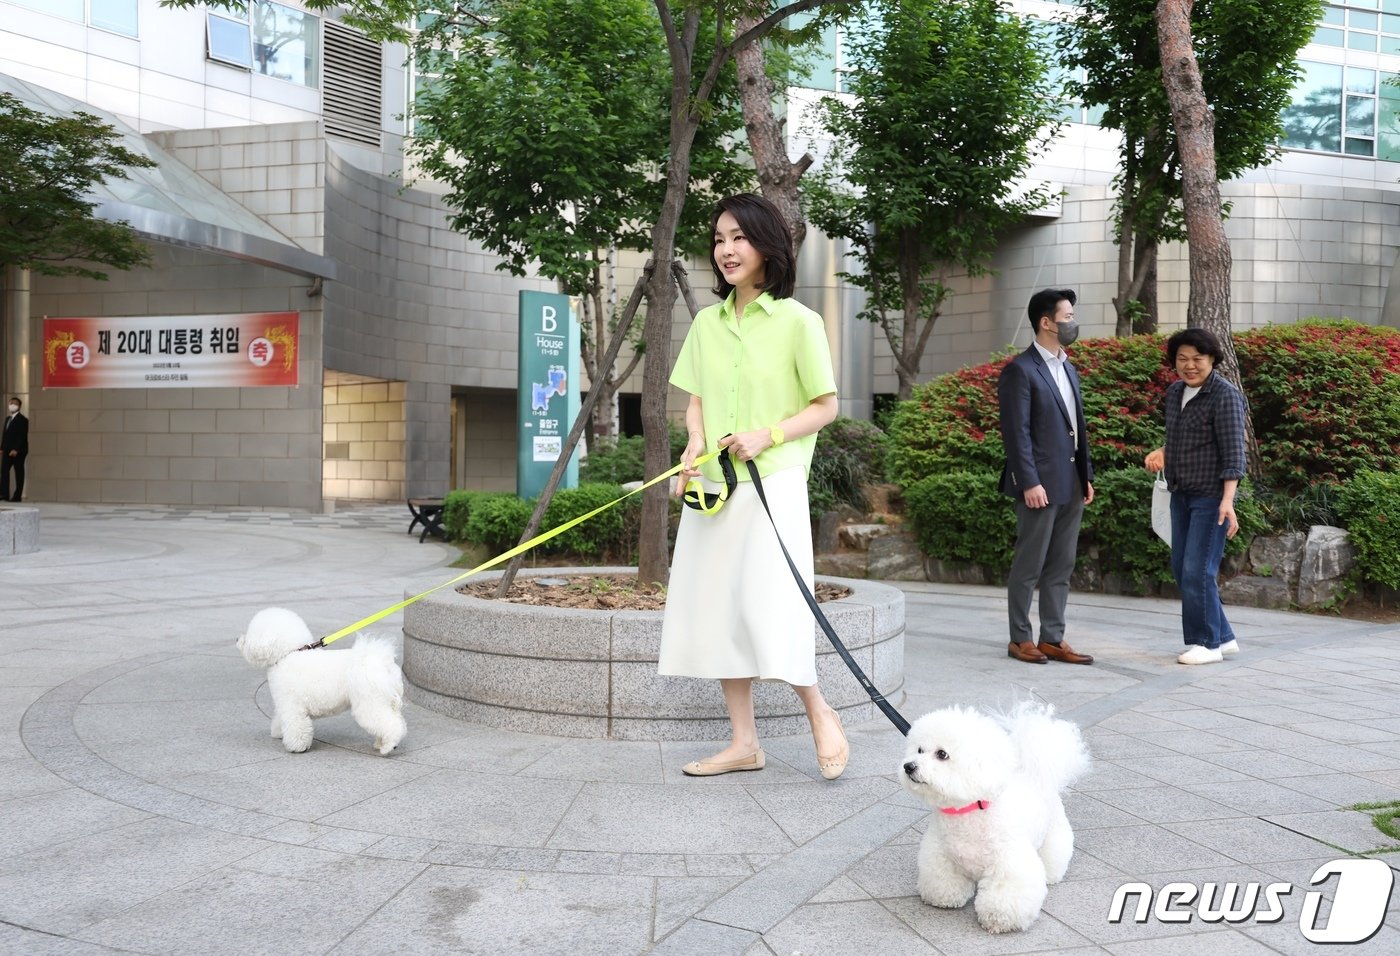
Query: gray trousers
{"x": 1046, "y": 542}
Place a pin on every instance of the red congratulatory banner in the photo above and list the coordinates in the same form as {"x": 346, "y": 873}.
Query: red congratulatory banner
{"x": 172, "y": 351}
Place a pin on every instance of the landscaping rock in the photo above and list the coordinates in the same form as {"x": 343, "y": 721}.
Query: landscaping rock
{"x": 1328, "y": 557}
{"x": 1280, "y": 555}
{"x": 957, "y": 572}
{"x": 895, "y": 557}
{"x": 883, "y": 498}
{"x": 1251, "y": 591}
{"x": 829, "y": 527}
{"x": 859, "y": 536}
{"x": 841, "y": 564}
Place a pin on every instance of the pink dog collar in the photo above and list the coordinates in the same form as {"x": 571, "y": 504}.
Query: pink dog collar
{"x": 974, "y": 805}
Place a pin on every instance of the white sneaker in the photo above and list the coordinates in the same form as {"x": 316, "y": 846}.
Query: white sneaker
{"x": 1230, "y": 648}
{"x": 1199, "y": 654}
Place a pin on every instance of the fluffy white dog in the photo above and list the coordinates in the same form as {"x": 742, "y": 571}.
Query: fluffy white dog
{"x": 999, "y": 829}
{"x": 306, "y": 684}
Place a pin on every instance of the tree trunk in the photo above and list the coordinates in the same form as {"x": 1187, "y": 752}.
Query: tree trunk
{"x": 1207, "y": 245}
{"x": 777, "y": 178}
{"x": 653, "y": 556}
{"x": 1146, "y": 320}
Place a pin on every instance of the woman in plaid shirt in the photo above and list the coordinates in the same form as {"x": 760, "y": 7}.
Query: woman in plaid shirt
{"x": 1204, "y": 462}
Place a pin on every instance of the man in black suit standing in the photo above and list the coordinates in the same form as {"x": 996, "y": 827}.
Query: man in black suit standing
{"x": 14, "y": 448}
{"x": 1049, "y": 475}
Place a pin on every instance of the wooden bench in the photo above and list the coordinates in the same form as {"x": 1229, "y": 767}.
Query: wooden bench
{"x": 428, "y": 513}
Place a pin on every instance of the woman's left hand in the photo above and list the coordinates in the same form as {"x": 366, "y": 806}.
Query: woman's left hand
{"x": 1227, "y": 517}
{"x": 747, "y": 445}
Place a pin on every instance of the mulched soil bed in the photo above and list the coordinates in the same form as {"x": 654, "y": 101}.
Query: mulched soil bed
{"x": 604, "y": 592}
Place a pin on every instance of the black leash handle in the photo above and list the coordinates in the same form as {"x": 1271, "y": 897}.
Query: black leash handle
{"x": 885, "y": 706}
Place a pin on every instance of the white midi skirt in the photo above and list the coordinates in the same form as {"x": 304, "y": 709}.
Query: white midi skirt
{"x": 732, "y": 606}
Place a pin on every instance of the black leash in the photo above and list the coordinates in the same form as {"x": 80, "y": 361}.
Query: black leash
{"x": 885, "y": 706}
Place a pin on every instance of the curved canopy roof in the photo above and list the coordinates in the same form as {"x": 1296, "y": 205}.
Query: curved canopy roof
{"x": 171, "y": 203}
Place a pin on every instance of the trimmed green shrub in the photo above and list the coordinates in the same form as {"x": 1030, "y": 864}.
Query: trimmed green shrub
{"x": 1325, "y": 397}
{"x": 849, "y": 454}
{"x": 963, "y": 516}
{"x": 614, "y": 461}
{"x": 1370, "y": 505}
{"x": 495, "y": 520}
{"x": 1116, "y": 536}
{"x": 601, "y": 534}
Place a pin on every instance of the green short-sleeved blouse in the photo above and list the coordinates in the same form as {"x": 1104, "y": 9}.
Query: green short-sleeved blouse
{"x": 756, "y": 373}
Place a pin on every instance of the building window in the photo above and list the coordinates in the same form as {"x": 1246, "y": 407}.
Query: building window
{"x": 1372, "y": 26}
{"x": 118, "y": 16}
{"x": 1334, "y": 110}
{"x": 268, "y": 38}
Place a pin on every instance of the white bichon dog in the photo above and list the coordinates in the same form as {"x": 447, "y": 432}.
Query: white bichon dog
{"x": 306, "y": 684}
{"x": 999, "y": 829}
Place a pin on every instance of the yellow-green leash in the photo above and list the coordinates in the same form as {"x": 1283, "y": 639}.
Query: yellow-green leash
{"x": 518, "y": 549}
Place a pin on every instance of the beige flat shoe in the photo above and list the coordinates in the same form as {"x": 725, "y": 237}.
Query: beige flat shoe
{"x": 713, "y": 768}
{"x": 832, "y": 767}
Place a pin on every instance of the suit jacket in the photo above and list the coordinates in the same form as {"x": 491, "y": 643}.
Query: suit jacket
{"x": 1035, "y": 428}
{"x": 16, "y": 436}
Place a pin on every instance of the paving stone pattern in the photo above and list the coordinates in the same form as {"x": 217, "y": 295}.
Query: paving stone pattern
{"x": 145, "y": 809}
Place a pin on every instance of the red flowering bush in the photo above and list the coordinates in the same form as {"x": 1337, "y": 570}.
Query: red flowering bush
{"x": 953, "y": 423}
{"x": 1325, "y": 398}
{"x": 1324, "y": 395}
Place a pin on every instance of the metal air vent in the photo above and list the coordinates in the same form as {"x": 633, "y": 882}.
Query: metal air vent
{"x": 352, "y": 94}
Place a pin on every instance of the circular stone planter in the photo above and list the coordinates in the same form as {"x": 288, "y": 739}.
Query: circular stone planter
{"x": 586, "y": 673}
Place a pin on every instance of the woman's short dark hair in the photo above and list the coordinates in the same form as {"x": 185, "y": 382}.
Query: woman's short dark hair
{"x": 1202, "y": 340}
{"x": 1045, "y": 303}
{"x": 768, "y": 232}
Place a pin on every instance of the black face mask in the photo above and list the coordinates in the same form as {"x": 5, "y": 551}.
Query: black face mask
{"x": 1067, "y": 332}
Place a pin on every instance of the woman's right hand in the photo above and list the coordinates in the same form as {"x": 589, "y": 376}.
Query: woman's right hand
{"x": 693, "y": 450}
{"x": 1155, "y": 460}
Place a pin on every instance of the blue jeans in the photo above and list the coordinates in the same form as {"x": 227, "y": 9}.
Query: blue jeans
{"x": 1198, "y": 544}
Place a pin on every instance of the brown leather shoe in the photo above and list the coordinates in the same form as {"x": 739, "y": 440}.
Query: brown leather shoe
{"x": 1025, "y": 651}
{"x": 1063, "y": 653}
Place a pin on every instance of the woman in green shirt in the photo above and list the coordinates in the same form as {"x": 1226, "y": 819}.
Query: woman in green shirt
{"x": 758, "y": 370}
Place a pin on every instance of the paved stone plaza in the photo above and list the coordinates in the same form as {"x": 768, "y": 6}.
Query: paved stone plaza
{"x": 145, "y": 809}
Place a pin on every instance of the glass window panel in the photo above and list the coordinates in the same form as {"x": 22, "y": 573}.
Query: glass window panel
{"x": 286, "y": 43}
{"x": 69, "y": 9}
{"x": 1361, "y": 81}
{"x": 228, "y": 41}
{"x": 1388, "y": 132}
{"x": 232, "y": 12}
{"x": 1327, "y": 36}
{"x": 1314, "y": 119}
{"x": 1369, "y": 4}
{"x": 1336, "y": 15}
{"x": 1362, "y": 21}
{"x": 1390, "y": 23}
{"x": 119, "y": 16}
{"x": 1360, "y": 147}
{"x": 1361, "y": 41}
{"x": 1391, "y": 6}
{"x": 1390, "y": 45}
{"x": 1361, "y": 116}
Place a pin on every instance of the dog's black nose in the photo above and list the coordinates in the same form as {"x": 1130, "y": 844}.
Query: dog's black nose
{"x": 910, "y": 768}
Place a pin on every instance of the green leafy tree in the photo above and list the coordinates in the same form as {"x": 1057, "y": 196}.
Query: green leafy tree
{"x": 699, "y": 44}
{"x": 1248, "y": 67}
{"x": 548, "y": 130}
{"x": 951, "y": 104}
{"x": 48, "y": 166}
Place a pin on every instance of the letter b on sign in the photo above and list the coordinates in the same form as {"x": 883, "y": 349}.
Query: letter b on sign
{"x": 548, "y": 320}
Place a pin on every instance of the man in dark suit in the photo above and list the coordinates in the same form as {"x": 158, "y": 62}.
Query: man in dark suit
{"x": 14, "y": 448}
{"x": 1049, "y": 475}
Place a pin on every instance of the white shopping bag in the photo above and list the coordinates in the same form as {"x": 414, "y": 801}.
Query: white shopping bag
{"x": 1162, "y": 510}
